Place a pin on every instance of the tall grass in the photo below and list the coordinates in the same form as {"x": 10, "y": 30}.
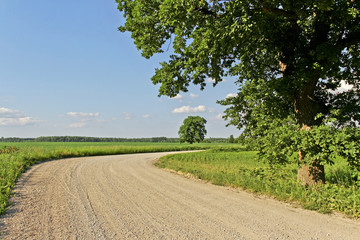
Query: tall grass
{"x": 13, "y": 163}
{"x": 240, "y": 169}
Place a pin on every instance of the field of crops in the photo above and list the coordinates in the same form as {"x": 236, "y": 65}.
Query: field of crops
{"x": 233, "y": 168}
{"x": 15, "y": 158}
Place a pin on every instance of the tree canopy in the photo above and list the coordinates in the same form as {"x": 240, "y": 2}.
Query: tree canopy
{"x": 289, "y": 57}
{"x": 193, "y": 129}
{"x": 287, "y": 54}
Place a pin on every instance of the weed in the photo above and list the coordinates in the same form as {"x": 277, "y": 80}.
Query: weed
{"x": 8, "y": 149}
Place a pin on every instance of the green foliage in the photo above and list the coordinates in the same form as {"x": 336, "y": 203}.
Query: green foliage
{"x": 285, "y": 54}
{"x": 192, "y": 130}
{"x": 241, "y": 169}
{"x": 279, "y": 141}
{"x": 323, "y": 143}
{"x": 231, "y": 139}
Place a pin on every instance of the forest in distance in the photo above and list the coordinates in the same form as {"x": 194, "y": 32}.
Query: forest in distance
{"x": 102, "y": 139}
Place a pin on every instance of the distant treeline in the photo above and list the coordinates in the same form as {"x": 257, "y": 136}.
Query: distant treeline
{"x": 102, "y": 139}
{"x": 14, "y": 139}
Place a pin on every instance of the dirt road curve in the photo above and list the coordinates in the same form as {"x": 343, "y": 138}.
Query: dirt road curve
{"x": 126, "y": 197}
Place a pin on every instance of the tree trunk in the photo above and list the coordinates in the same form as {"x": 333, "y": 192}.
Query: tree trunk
{"x": 311, "y": 175}
{"x": 306, "y": 109}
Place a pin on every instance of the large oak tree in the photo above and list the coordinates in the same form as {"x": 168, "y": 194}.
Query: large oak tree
{"x": 289, "y": 56}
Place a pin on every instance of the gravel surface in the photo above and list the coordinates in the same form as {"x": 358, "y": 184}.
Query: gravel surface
{"x": 126, "y": 197}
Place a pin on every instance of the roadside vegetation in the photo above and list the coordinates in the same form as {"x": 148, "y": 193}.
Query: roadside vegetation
{"x": 241, "y": 169}
{"x": 16, "y": 158}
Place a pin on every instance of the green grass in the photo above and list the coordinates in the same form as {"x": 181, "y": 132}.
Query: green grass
{"x": 12, "y": 164}
{"x": 240, "y": 169}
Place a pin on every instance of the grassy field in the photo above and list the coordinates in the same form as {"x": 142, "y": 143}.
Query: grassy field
{"x": 15, "y": 158}
{"x": 240, "y": 169}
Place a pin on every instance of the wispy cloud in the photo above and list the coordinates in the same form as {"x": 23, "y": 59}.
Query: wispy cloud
{"x": 188, "y": 109}
{"x": 18, "y": 121}
{"x": 10, "y": 113}
{"x": 83, "y": 119}
{"x": 219, "y": 117}
{"x": 231, "y": 95}
{"x": 212, "y": 80}
{"x": 81, "y": 114}
{"x": 77, "y": 125}
{"x": 146, "y": 116}
{"x": 194, "y": 95}
{"x": 211, "y": 110}
{"x": 11, "y": 117}
{"x": 177, "y": 97}
{"x": 127, "y": 116}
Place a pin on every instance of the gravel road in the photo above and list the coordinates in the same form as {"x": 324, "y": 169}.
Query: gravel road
{"x": 126, "y": 197}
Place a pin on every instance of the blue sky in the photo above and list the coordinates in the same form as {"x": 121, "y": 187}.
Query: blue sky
{"x": 65, "y": 69}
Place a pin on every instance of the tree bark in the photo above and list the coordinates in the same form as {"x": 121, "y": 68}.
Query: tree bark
{"x": 311, "y": 175}
{"x": 306, "y": 108}
{"x": 306, "y": 104}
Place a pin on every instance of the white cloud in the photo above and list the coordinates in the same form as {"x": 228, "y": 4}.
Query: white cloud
{"x": 188, "y": 109}
{"x": 127, "y": 116}
{"x": 219, "y": 117}
{"x": 212, "y": 80}
{"x": 177, "y": 97}
{"x": 77, "y": 125}
{"x": 82, "y": 114}
{"x": 344, "y": 87}
{"x": 231, "y": 95}
{"x": 211, "y": 110}
{"x": 10, "y": 113}
{"x": 193, "y": 95}
{"x": 22, "y": 121}
{"x": 11, "y": 117}
{"x": 99, "y": 120}
{"x": 86, "y": 122}
{"x": 146, "y": 116}
{"x": 83, "y": 119}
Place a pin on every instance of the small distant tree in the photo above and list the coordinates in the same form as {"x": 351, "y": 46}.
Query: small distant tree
{"x": 231, "y": 139}
{"x": 192, "y": 130}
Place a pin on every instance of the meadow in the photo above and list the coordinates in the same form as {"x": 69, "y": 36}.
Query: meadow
{"x": 240, "y": 169}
